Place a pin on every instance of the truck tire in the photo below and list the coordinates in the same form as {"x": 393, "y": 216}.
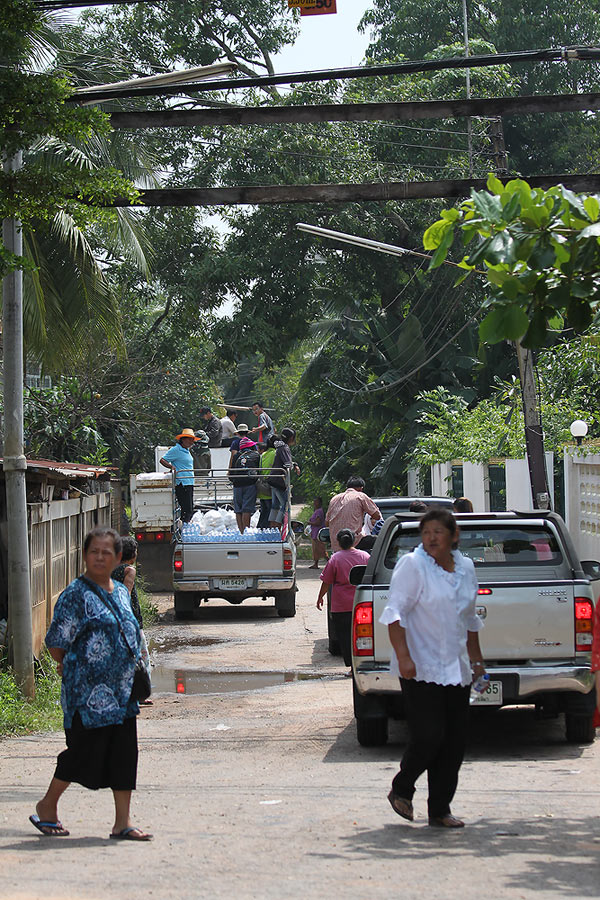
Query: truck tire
{"x": 579, "y": 729}
{"x": 184, "y": 607}
{"x": 372, "y": 732}
{"x": 285, "y": 604}
{"x": 333, "y": 645}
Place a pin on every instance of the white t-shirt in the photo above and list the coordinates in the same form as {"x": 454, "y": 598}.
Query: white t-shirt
{"x": 229, "y": 429}
{"x": 436, "y": 608}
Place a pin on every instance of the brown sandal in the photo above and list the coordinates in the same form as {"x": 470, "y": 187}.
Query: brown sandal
{"x": 401, "y": 805}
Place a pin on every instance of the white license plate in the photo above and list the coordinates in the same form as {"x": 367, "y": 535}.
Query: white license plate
{"x": 492, "y": 696}
{"x": 232, "y": 584}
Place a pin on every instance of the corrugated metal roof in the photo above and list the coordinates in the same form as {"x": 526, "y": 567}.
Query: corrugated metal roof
{"x": 73, "y": 470}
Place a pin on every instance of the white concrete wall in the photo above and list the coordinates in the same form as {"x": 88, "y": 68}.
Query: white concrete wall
{"x": 475, "y": 485}
{"x": 441, "y": 479}
{"x": 518, "y": 486}
{"x": 582, "y": 501}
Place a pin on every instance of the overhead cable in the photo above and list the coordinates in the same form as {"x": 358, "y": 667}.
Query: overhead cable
{"x": 561, "y": 54}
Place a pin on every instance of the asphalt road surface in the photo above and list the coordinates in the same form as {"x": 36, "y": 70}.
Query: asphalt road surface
{"x": 255, "y": 787}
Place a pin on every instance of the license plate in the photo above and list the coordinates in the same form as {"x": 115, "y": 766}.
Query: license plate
{"x": 231, "y": 584}
{"x": 492, "y": 696}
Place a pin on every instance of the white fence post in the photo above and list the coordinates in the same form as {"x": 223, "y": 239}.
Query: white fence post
{"x": 474, "y": 487}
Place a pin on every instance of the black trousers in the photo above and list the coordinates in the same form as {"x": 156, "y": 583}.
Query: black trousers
{"x": 342, "y": 623}
{"x": 437, "y": 717}
{"x": 185, "y": 496}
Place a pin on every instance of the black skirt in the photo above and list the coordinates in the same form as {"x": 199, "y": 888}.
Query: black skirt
{"x": 104, "y": 757}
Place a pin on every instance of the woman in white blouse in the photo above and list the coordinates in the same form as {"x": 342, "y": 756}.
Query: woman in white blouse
{"x": 433, "y": 630}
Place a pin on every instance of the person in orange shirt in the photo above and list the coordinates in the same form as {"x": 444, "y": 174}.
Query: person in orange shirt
{"x": 348, "y": 510}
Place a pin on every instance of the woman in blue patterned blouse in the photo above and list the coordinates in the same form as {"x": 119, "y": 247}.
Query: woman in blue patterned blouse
{"x": 96, "y": 656}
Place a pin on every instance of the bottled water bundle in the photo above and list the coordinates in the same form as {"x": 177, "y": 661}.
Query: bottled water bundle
{"x": 193, "y": 533}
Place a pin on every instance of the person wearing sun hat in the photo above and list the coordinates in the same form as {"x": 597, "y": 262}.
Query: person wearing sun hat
{"x": 180, "y": 461}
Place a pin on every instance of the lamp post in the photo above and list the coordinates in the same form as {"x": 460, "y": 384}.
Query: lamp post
{"x": 578, "y": 429}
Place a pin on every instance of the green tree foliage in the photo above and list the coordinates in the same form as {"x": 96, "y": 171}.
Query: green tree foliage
{"x": 492, "y": 428}
{"x": 552, "y": 143}
{"x": 541, "y": 252}
{"x": 32, "y": 106}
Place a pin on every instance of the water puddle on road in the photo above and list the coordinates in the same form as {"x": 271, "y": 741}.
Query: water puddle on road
{"x": 175, "y": 642}
{"x": 190, "y": 681}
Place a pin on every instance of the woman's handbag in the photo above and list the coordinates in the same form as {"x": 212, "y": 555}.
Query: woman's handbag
{"x": 142, "y": 686}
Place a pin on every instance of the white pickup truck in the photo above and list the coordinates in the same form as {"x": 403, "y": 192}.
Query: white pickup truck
{"x": 224, "y": 563}
{"x": 536, "y": 599}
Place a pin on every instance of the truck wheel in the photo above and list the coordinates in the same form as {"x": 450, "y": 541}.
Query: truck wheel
{"x": 579, "y": 729}
{"x": 372, "y": 732}
{"x": 184, "y": 608}
{"x": 333, "y": 645}
{"x": 285, "y": 604}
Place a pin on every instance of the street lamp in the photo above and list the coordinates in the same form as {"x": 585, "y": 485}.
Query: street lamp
{"x": 578, "y": 429}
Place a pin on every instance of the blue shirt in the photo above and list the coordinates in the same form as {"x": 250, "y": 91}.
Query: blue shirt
{"x": 97, "y": 666}
{"x": 182, "y": 459}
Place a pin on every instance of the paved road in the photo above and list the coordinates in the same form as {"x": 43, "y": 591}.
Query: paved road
{"x": 265, "y": 793}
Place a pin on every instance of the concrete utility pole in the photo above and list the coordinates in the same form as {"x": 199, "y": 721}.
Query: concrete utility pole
{"x": 15, "y": 465}
{"x": 468, "y": 85}
{"x": 534, "y": 437}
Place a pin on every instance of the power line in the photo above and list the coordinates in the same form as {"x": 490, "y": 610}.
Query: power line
{"x": 563, "y": 54}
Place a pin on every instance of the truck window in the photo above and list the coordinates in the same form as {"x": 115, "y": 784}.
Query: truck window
{"x": 490, "y": 545}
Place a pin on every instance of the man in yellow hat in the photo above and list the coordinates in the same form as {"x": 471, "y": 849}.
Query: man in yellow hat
{"x": 179, "y": 460}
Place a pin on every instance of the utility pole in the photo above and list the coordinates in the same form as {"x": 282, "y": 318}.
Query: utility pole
{"x": 468, "y": 85}
{"x": 15, "y": 465}
{"x": 499, "y": 154}
{"x": 534, "y": 437}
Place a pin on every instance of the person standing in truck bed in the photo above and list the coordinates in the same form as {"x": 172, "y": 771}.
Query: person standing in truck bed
{"x": 212, "y": 427}
{"x": 179, "y": 460}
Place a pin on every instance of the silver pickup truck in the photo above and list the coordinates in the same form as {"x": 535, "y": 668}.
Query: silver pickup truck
{"x": 536, "y": 599}
{"x": 224, "y": 563}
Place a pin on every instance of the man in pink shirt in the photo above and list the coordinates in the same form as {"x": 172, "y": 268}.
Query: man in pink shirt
{"x": 348, "y": 510}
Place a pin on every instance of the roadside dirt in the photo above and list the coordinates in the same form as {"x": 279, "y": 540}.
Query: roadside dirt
{"x": 265, "y": 793}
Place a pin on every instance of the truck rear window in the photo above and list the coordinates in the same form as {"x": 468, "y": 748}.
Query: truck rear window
{"x": 490, "y": 545}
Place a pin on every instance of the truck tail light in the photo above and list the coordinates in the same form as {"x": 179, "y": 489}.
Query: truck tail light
{"x": 178, "y": 561}
{"x": 287, "y": 560}
{"x": 362, "y": 629}
{"x": 485, "y": 591}
{"x": 584, "y": 614}
{"x": 159, "y": 536}
{"x": 140, "y": 536}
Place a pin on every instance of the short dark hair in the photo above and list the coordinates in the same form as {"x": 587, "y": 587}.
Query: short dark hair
{"x": 129, "y": 548}
{"x": 355, "y": 481}
{"x": 319, "y": 500}
{"x": 204, "y": 410}
{"x": 272, "y": 439}
{"x": 287, "y": 434}
{"x": 439, "y": 514}
{"x": 258, "y": 403}
{"x": 417, "y": 506}
{"x": 345, "y": 538}
{"x": 462, "y": 504}
{"x": 232, "y": 412}
{"x": 102, "y": 531}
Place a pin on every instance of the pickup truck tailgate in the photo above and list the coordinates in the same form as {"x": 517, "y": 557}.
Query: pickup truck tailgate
{"x": 520, "y": 621}
{"x": 527, "y": 621}
{"x": 231, "y": 558}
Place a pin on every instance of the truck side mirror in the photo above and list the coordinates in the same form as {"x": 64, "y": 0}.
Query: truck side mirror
{"x": 357, "y": 574}
{"x": 591, "y": 567}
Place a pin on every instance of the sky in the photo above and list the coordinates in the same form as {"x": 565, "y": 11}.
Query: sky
{"x": 328, "y": 41}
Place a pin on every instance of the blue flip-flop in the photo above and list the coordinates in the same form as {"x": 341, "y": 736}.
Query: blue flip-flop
{"x": 128, "y": 835}
{"x": 56, "y": 828}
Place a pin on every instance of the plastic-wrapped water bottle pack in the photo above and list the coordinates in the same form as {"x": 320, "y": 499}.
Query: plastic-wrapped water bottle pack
{"x": 194, "y": 533}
